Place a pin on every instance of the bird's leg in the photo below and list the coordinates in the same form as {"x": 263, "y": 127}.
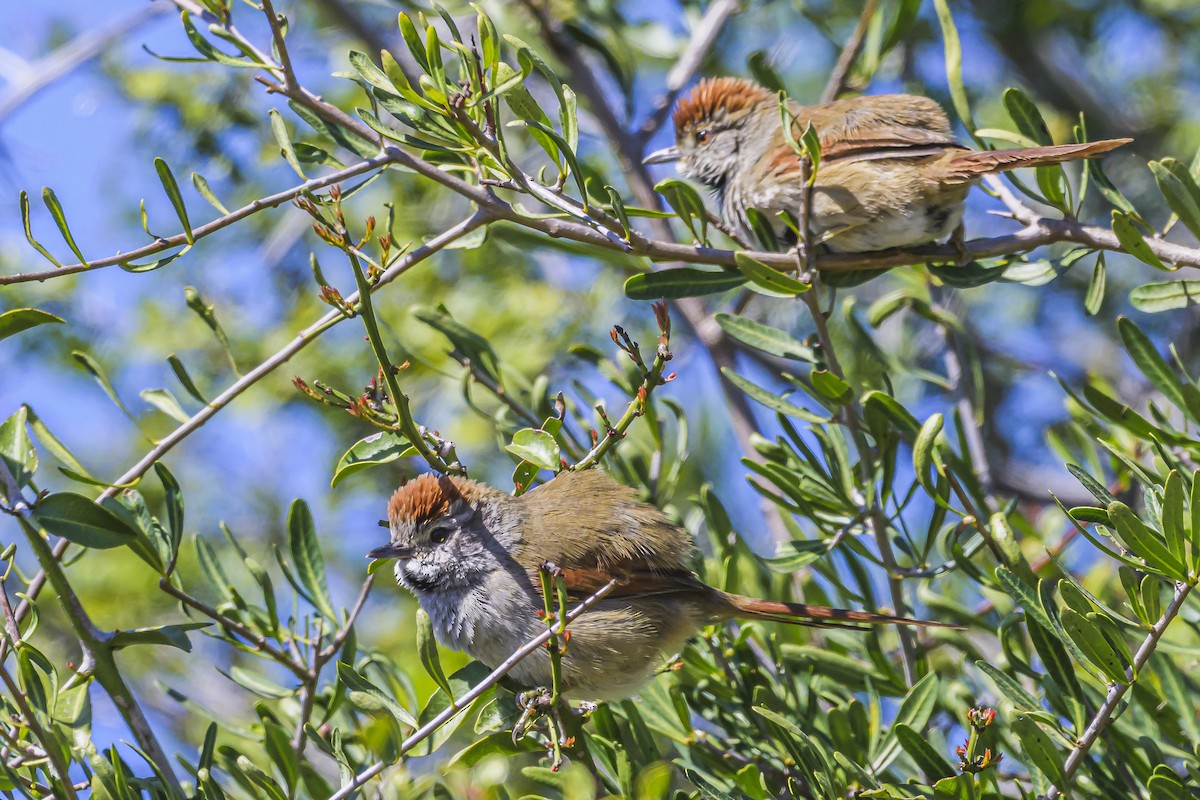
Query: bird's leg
{"x": 958, "y": 240}
{"x": 533, "y": 704}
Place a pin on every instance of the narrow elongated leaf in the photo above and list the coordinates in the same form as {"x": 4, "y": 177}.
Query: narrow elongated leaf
{"x": 1095, "y": 647}
{"x": 79, "y": 520}
{"x": 1144, "y": 543}
{"x": 1174, "y": 527}
{"x": 1165, "y": 295}
{"x": 22, "y": 319}
{"x": 929, "y": 761}
{"x": 671, "y": 284}
{"x": 764, "y": 337}
{"x": 1133, "y": 242}
{"x": 769, "y": 399}
{"x": 1145, "y": 355}
{"x": 1040, "y": 749}
{"x": 1095, "y": 292}
{"x": 427, "y": 649}
{"x": 17, "y": 453}
{"x": 184, "y": 378}
{"x": 283, "y": 139}
{"x": 171, "y": 187}
{"x": 28, "y": 226}
{"x": 953, "y": 55}
{"x": 165, "y": 402}
{"x": 307, "y": 560}
{"x": 924, "y": 452}
{"x": 201, "y": 184}
{"x": 93, "y": 367}
{"x": 169, "y": 635}
{"x": 771, "y": 279}
{"x": 370, "y": 697}
{"x": 60, "y": 219}
{"x": 1180, "y": 190}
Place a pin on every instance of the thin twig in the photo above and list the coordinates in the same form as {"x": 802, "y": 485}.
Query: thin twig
{"x": 704, "y": 36}
{"x": 53, "y": 754}
{"x": 180, "y": 239}
{"x": 296, "y": 345}
{"x": 458, "y": 704}
{"x": 302, "y": 340}
{"x": 285, "y": 60}
{"x": 841, "y": 70}
{"x": 876, "y": 516}
{"x": 1117, "y": 691}
{"x": 258, "y": 641}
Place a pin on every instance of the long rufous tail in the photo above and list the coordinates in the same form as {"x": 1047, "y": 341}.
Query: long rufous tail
{"x": 984, "y": 162}
{"x": 815, "y": 616}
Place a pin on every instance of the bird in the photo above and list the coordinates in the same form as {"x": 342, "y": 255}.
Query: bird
{"x": 472, "y": 555}
{"x": 890, "y": 173}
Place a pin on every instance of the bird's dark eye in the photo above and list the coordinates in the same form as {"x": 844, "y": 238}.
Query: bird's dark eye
{"x": 439, "y": 535}
{"x": 703, "y": 136}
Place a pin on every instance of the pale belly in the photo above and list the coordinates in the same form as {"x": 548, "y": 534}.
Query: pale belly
{"x": 613, "y": 650}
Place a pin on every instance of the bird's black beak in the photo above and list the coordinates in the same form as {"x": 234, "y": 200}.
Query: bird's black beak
{"x": 391, "y": 550}
{"x": 668, "y": 155}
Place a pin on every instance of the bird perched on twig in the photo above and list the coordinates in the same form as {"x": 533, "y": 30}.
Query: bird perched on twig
{"x": 890, "y": 172}
{"x": 471, "y": 554}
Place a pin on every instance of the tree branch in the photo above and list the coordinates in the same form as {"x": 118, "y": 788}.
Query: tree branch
{"x": 460, "y": 703}
{"x": 1117, "y": 691}
{"x": 180, "y": 239}
{"x": 841, "y": 70}
{"x": 704, "y": 36}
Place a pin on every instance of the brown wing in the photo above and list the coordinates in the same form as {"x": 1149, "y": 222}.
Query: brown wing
{"x": 616, "y": 528}
{"x": 582, "y": 582}
{"x": 882, "y": 126}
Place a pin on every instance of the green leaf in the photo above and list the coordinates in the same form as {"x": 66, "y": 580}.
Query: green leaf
{"x": 52, "y": 444}
{"x": 671, "y": 284}
{"x": 171, "y": 187}
{"x": 369, "y": 697}
{"x": 685, "y": 201}
{"x": 170, "y": 635}
{"x": 1040, "y": 749}
{"x": 164, "y": 401}
{"x": 1095, "y": 647}
{"x": 1144, "y": 543}
{"x": 831, "y": 387}
{"x": 201, "y": 184}
{"x": 427, "y": 649}
{"x": 1180, "y": 190}
{"x": 51, "y": 201}
{"x": 378, "y": 448}
{"x": 1010, "y": 688}
{"x": 173, "y": 498}
{"x": 766, "y": 277}
{"x": 791, "y": 556}
{"x": 764, "y": 337}
{"x": 1095, "y": 292}
{"x": 929, "y": 761}
{"x": 309, "y": 564}
{"x": 17, "y": 453}
{"x": 1153, "y": 366}
{"x": 22, "y": 319}
{"x": 283, "y": 139}
{"x": 925, "y": 453}
{"x": 537, "y": 447}
{"x": 184, "y": 378}
{"x": 79, "y": 520}
{"x": 771, "y": 400}
{"x": 1165, "y": 295}
{"x": 34, "y": 243}
{"x": 953, "y": 56}
{"x": 1133, "y": 242}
